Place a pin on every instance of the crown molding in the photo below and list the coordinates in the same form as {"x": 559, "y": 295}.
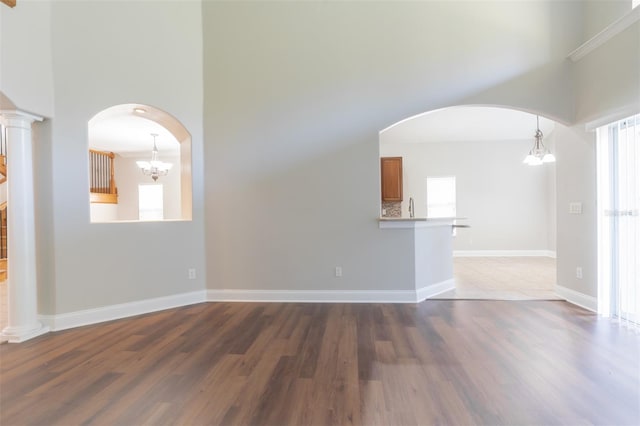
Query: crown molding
{"x": 605, "y": 35}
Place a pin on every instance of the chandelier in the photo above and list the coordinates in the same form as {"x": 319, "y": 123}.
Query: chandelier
{"x": 154, "y": 168}
{"x": 539, "y": 154}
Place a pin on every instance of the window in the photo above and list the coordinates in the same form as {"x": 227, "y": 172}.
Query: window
{"x": 618, "y": 153}
{"x": 150, "y": 202}
{"x": 635, "y": 3}
{"x": 441, "y": 196}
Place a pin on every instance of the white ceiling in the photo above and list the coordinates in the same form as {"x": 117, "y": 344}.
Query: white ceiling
{"x": 462, "y": 124}
{"x": 128, "y": 133}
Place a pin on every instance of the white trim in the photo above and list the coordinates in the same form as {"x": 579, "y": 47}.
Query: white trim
{"x": 412, "y": 223}
{"x": 18, "y": 118}
{"x": 615, "y": 115}
{"x": 432, "y": 290}
{"x": 584, "y": 301}
{"x": 605, "y": 35}
{"x": 123, "y": 310}
{"x": 313, "y": 296}
{"x": 19, "y": 335}
{"x": 504, "y": 253}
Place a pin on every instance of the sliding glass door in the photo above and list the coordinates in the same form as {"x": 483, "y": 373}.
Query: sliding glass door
{"x": 618, "y": 151}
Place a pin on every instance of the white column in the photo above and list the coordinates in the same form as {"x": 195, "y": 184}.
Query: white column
{"x": 22, "y": 300}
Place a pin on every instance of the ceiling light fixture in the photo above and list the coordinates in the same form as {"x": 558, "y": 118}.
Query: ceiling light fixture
{"x": 539, "y": 154}
{"x": 154, "y": 168}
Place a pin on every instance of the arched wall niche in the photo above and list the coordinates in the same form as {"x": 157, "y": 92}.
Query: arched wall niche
{"x": 126, "y": 131}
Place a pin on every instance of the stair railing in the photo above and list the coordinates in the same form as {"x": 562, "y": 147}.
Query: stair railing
{"x": 102, "y": 177}
{"x": 4, "y": 252}
{"x": 3, "y": 141}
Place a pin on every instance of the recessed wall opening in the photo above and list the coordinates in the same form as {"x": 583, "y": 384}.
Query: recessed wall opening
{"x": 467, "y": 162}
{"x": 138, "y": 155}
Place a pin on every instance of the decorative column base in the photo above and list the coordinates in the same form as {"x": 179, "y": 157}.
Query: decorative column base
{"x": 21, "y": 334}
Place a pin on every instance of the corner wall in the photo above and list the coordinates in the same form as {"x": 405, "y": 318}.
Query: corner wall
{"x": 26, "y": 74}
{"x": 607, "y": 89}
{"x": 295, "y": 95}
{"x": 110, "y": 53}
{"x": 577, "y": 233}
{"x": 608, "y": 79}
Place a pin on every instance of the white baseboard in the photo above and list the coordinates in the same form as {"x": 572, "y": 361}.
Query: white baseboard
{"x": 19, "y": 335}
{"x": 434, "y": 289}
{"x": 504, "y": 253}
{"x": 588, "y": 302}
{"x": 123, "y": 310}
{"x": 312, "y": 296}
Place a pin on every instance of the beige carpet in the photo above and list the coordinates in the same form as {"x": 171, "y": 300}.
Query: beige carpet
{"x": 503, "y": 278}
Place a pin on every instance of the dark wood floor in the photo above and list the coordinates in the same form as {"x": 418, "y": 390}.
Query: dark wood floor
{"x": 439, "y": 362}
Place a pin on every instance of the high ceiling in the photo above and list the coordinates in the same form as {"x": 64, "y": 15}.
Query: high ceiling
{"x": 463, "y": 124}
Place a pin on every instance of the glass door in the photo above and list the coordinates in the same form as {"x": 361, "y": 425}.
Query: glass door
{"x": 618, "y": 153}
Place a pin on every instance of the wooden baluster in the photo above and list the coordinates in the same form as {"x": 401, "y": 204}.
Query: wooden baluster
{"x": 91, "y": 172}
{"x": 102, "y": 175}
{"x": 101, "y": 171}
{"x": 112, "y": 182}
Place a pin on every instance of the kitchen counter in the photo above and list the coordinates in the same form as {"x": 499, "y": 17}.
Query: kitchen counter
{"x": 431, "y": 247}
{"x": 416, "y": 222}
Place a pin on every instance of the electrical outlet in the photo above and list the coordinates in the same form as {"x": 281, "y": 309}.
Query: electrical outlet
{"x": 579, "y": 272}
{"x": 338, "y": 271}
{"x": 192, "y": 273}
{"x": 575, "y": 207}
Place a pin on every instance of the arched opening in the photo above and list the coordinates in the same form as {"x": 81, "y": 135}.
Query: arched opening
{"x": 124, "y": 138}
{"x": 467, "y": 162}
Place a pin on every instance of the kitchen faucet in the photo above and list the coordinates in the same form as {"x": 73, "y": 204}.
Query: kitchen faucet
{"x": 411, "y": 211}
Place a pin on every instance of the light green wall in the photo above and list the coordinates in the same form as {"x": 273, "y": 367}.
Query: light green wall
{"x": 26, "y": 74}
{"x": 607, "y": 83}
{"x": 598, "y": 14}
{"x": 284, "y": 102}
{"x": 608, "y": 79}
{"x": 576, "y": 234}
{"x": 105, "y": 54}
{"x": 295, "y": 95}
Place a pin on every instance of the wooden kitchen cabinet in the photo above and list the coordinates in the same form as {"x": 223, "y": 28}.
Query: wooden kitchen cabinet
{"x": 391, "y": 178}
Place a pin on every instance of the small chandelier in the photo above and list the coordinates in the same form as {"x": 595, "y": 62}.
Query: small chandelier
{"x": 154, "y": 168}
{"x": 539, "y": 154}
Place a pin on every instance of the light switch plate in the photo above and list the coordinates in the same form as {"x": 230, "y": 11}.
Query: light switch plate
{"x": 575, "y": 207}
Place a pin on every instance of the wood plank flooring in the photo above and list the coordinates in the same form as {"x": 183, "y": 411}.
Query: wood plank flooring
{"x": 438, "y": 362}
{"x": 4, "y": 313}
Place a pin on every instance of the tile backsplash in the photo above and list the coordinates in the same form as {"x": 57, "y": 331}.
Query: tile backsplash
{"x": 392, "y": 208}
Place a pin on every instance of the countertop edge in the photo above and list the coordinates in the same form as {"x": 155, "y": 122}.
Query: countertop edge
{"x": 414, "y": 222}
